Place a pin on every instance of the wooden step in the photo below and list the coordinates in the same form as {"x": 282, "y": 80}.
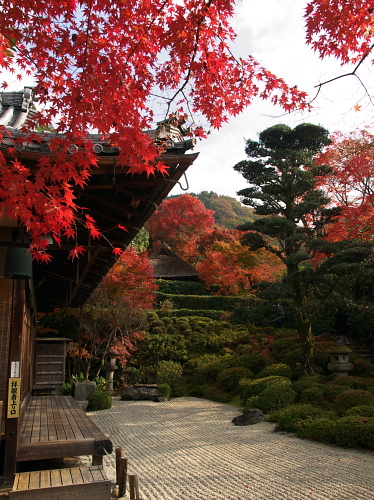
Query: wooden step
{"x": 77, "y": 483}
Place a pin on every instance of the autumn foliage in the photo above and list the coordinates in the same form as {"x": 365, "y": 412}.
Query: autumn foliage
{"x": 351, "y": 187}
{"x": 179, "y": 222}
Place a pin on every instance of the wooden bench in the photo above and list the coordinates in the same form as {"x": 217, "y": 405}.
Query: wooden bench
{"x": 55, "y": 427}
{"x": 62, "y": 484}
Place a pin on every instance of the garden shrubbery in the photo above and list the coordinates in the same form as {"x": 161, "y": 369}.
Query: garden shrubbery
{"x": 100, "y": 400}
{"x": 278, "y": 369}
{"x": 353, "y": 397}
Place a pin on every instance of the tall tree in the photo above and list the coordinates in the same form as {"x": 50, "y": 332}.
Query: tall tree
{"x": 180, "y": 222}
{"x": 283, "y": 175}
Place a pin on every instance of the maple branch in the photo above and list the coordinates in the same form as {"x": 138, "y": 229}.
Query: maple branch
{"x": 148, "y": 27}
{"x": 351, "y": 73}
{"x": 194, "y": 52}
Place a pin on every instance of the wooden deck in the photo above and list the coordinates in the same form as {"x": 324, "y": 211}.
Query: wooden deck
{"x": 55, "y": 427}
{"x": 70, "y": 484}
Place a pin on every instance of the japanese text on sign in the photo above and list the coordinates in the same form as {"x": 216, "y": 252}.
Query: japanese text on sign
{"x": 14, "y": 396}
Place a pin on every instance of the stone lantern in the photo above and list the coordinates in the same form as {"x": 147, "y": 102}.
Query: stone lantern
{"x": 339, "y": 364}
{"x": 110, "y": 367}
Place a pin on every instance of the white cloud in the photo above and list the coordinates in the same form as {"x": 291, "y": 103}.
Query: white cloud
{"x": 273, "y": 32}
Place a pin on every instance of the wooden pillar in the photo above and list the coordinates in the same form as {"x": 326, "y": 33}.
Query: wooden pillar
{"x": 16, "y": 329}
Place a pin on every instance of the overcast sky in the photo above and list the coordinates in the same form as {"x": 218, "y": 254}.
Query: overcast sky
{"x": 273, "y": 32}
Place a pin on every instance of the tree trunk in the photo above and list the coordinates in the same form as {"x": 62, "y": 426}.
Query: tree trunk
{"x": 306, "y": 346}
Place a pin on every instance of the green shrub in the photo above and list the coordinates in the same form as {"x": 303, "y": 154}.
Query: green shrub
{"x": 164, "y": 390}
{"x": 275, "y": 397}
{"x": 331, "y": 391}
{"x": 169, "y": 372}
{"x": 228, "y": 379}
{"x": 178, "y": 287}
{"x": 254, "y": 361}
{"x": 312, "y": 395}
{"x": 320, "y": 429}
{"x": 356, "y": 382}
{"x": 349, "y": 431}
{"x": 132, "y": 375}
{"x": 100, "y": 400}
{"x": 101, "y": 383}
{"x": 279, "y": 370}
{"x": 214, "y": 394}
{"x": 291, "y": 418}
{"x": 362, "y": 367}
{"x": 197, "y": 391}
{"x": 306, "y": 383}
{"x": 362, "y": 411}
{"x": 67, "y": 388}
{"x": 209, "y": 365}
{"x": 249, "y": 388}
{"x": 209, "y": 302}
{"x": 353, "y": 397}
{"x": 367, "y": 433}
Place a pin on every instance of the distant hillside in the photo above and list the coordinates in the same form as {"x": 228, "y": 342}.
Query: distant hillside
{"x": 229, "y": 213}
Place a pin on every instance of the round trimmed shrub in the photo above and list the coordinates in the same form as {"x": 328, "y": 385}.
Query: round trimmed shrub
{"x": 229, "y": 379}
{"x": 367, "y": 436}
{"x": 273, "y": 398}
{"x": 164, "y": 390}
{"x": 349, "y": 431}
{"x": 353, "y": 397}
{"x": 249, "y": 388}
{"x": 217, "y": 395}
{"x": 312, "y": 395}
{"x": 279, "y": 370}
{"x": 320, "y": 429}
{"x": 306, "y": 383}
{"x": 254, "y": 361}
{"x": 169, "y": 372}
{"x": 100, "y": 400}
{"x": 291, "y": 418}
{"x": 362, "y": 411}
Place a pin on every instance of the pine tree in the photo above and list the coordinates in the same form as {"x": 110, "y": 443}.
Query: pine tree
{"x": 284, "y": 178}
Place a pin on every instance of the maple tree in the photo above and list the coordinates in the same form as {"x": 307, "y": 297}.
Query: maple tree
{"x": 232, "y": 269}
{"x": 115, "y": 315}
{"x": 352, "y": 185}
{"x": 179, "y": 223}
{"x": 105, "y": 66}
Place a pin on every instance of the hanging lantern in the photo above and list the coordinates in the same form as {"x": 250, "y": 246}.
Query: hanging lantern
{"x": 18, "y": 263}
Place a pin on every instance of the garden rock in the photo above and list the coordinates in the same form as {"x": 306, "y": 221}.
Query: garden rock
{"x": 140, "y": 393}
{"x": 249, "y": 417}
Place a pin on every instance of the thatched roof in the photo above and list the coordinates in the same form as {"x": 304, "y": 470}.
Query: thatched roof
{"x": 167, "y": 265}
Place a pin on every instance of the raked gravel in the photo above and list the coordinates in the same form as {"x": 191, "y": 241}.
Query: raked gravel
{"x": 187, "y": 448}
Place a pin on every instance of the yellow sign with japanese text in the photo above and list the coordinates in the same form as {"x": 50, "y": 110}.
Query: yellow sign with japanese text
{"x": 14, "y": 397}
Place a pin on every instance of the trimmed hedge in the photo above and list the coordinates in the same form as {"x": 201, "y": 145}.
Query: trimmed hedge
{"x": 278, "y": 369}
{"x": 249, "y": 388}
{"x": 100, "y": 400}
{"x": 202, "y": 313}
{"x": 209, "y": 302}
{"x": 274, "y": 397}
{"x": 177, "y": 287}
{"x": 291, "y": 418}
{"x": 353, "y": 397}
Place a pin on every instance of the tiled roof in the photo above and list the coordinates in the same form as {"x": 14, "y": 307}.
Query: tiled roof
{"x": 112, "y": 197}
{"x": 17, "y": 108}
